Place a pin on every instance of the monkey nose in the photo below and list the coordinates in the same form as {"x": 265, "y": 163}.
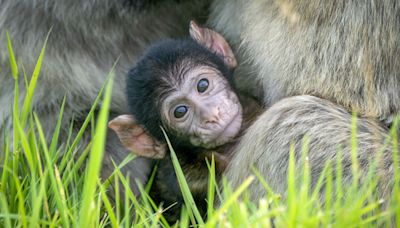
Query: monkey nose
{"x": 211, "y": 119}
{"x": 210, "y": 115}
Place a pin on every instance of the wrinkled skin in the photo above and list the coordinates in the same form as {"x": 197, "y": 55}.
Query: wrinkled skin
{"x": 213, "y": 117}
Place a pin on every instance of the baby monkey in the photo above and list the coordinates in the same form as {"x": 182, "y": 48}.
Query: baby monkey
{"x": 185, "y": 86}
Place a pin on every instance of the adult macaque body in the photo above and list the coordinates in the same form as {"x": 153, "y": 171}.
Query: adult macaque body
{"x": 328, "y": 129}
{"x": 185, "y": 86}
{"x": 343, "y": 51}
{"x": 86, "y": 39}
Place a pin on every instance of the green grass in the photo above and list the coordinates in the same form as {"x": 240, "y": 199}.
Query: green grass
{"x": 47, "y": 183}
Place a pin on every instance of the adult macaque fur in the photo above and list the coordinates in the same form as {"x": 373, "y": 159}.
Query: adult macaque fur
{"x": 86, "y": 39}
{"x": 168, "y": 76}
{"x": 346, "y": 52}
{"x": 328, "y": 129}
{"x": 343, "y": 51}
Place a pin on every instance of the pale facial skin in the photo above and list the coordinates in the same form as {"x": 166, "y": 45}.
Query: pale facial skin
{"x": 203, "y": 108}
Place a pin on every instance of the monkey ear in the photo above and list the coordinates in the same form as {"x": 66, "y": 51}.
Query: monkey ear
{"x": 213, "y": 41}
{"x": 134, "y": 137}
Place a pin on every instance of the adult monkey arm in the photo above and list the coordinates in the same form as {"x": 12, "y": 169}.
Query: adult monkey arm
{"x": 327, "y": 126}
{"x": 86, "y": 38}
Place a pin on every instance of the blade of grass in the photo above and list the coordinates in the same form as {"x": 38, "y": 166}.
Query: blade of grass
{"x": 107, "y": 205}
{"x": 82, "y": 130}
{"x": 5, "y": 211}
{"x": 395, "y": 157}
{"x": 117, "y": 198}
{"x": 184, "y": 220}
{"x": 21, "y": 201}
{"x": 339, "y": 180}
{"x": 13, "y": 62}
{"x": 231, "y": 200}
{"x": 304, "y": 189}
{"x": 124, "y": 162}
{"x": 354, "y": 160}
{"x": 328, "y": 195}
{"x": 37, "y": 202}
{"x": 129, "y": 193}
{"x": 187, "y": 196}
{"x": 263, "y": 182}
{"x": 211, "y": 187}
{"x": 6, "y": 166}
{"x": 93, "y": 167}
{"x": 292, "y": 197}
{"x": 127, "y": 209}
{"x": 32, "y": 84}
{"x": 57, "y": 130}
{"x": 263, "y": 215}
{"x": 15, "y": 117}
{"x": 25, "y": 146}
{"x": 150, "y": 206}
{"x": 151, "y": 179}
{"x": 57, "y": 193}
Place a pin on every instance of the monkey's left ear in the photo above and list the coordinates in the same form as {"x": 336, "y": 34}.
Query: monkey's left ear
{"x": 134, "y": 137}
{"x": 213, "y": 41}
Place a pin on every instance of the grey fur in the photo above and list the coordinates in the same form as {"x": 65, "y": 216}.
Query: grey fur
{"x": 267, "y": 143}
{"x": 344, "y": 51}
{"x": 86, "y": 38}
{"x": 339, "y": 50}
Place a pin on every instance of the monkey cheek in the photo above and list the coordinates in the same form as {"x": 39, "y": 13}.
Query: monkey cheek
{"x": 231, "y": 130}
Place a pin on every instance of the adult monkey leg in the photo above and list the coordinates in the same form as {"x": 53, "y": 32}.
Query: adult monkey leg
{"x": 327, "y": 126}
{"x": 343, "y": 51}
{"x": 86, "y": 38}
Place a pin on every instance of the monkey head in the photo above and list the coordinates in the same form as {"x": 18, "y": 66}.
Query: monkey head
{"x": 202, "y": 110}
{"x": 186, "y": 87}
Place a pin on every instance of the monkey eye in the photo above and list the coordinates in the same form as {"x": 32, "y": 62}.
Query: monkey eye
{"x": 180, "y": 111}
{"x": 202, "y": 85}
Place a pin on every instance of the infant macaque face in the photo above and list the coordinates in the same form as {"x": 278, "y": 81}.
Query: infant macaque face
{"x": 203, "y": 108}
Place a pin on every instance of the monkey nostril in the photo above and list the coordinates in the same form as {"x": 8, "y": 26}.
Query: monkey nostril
{"x": 214, "y": 117}
{"x": 212, "y": 120}
{"x": 211, "y": 115}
